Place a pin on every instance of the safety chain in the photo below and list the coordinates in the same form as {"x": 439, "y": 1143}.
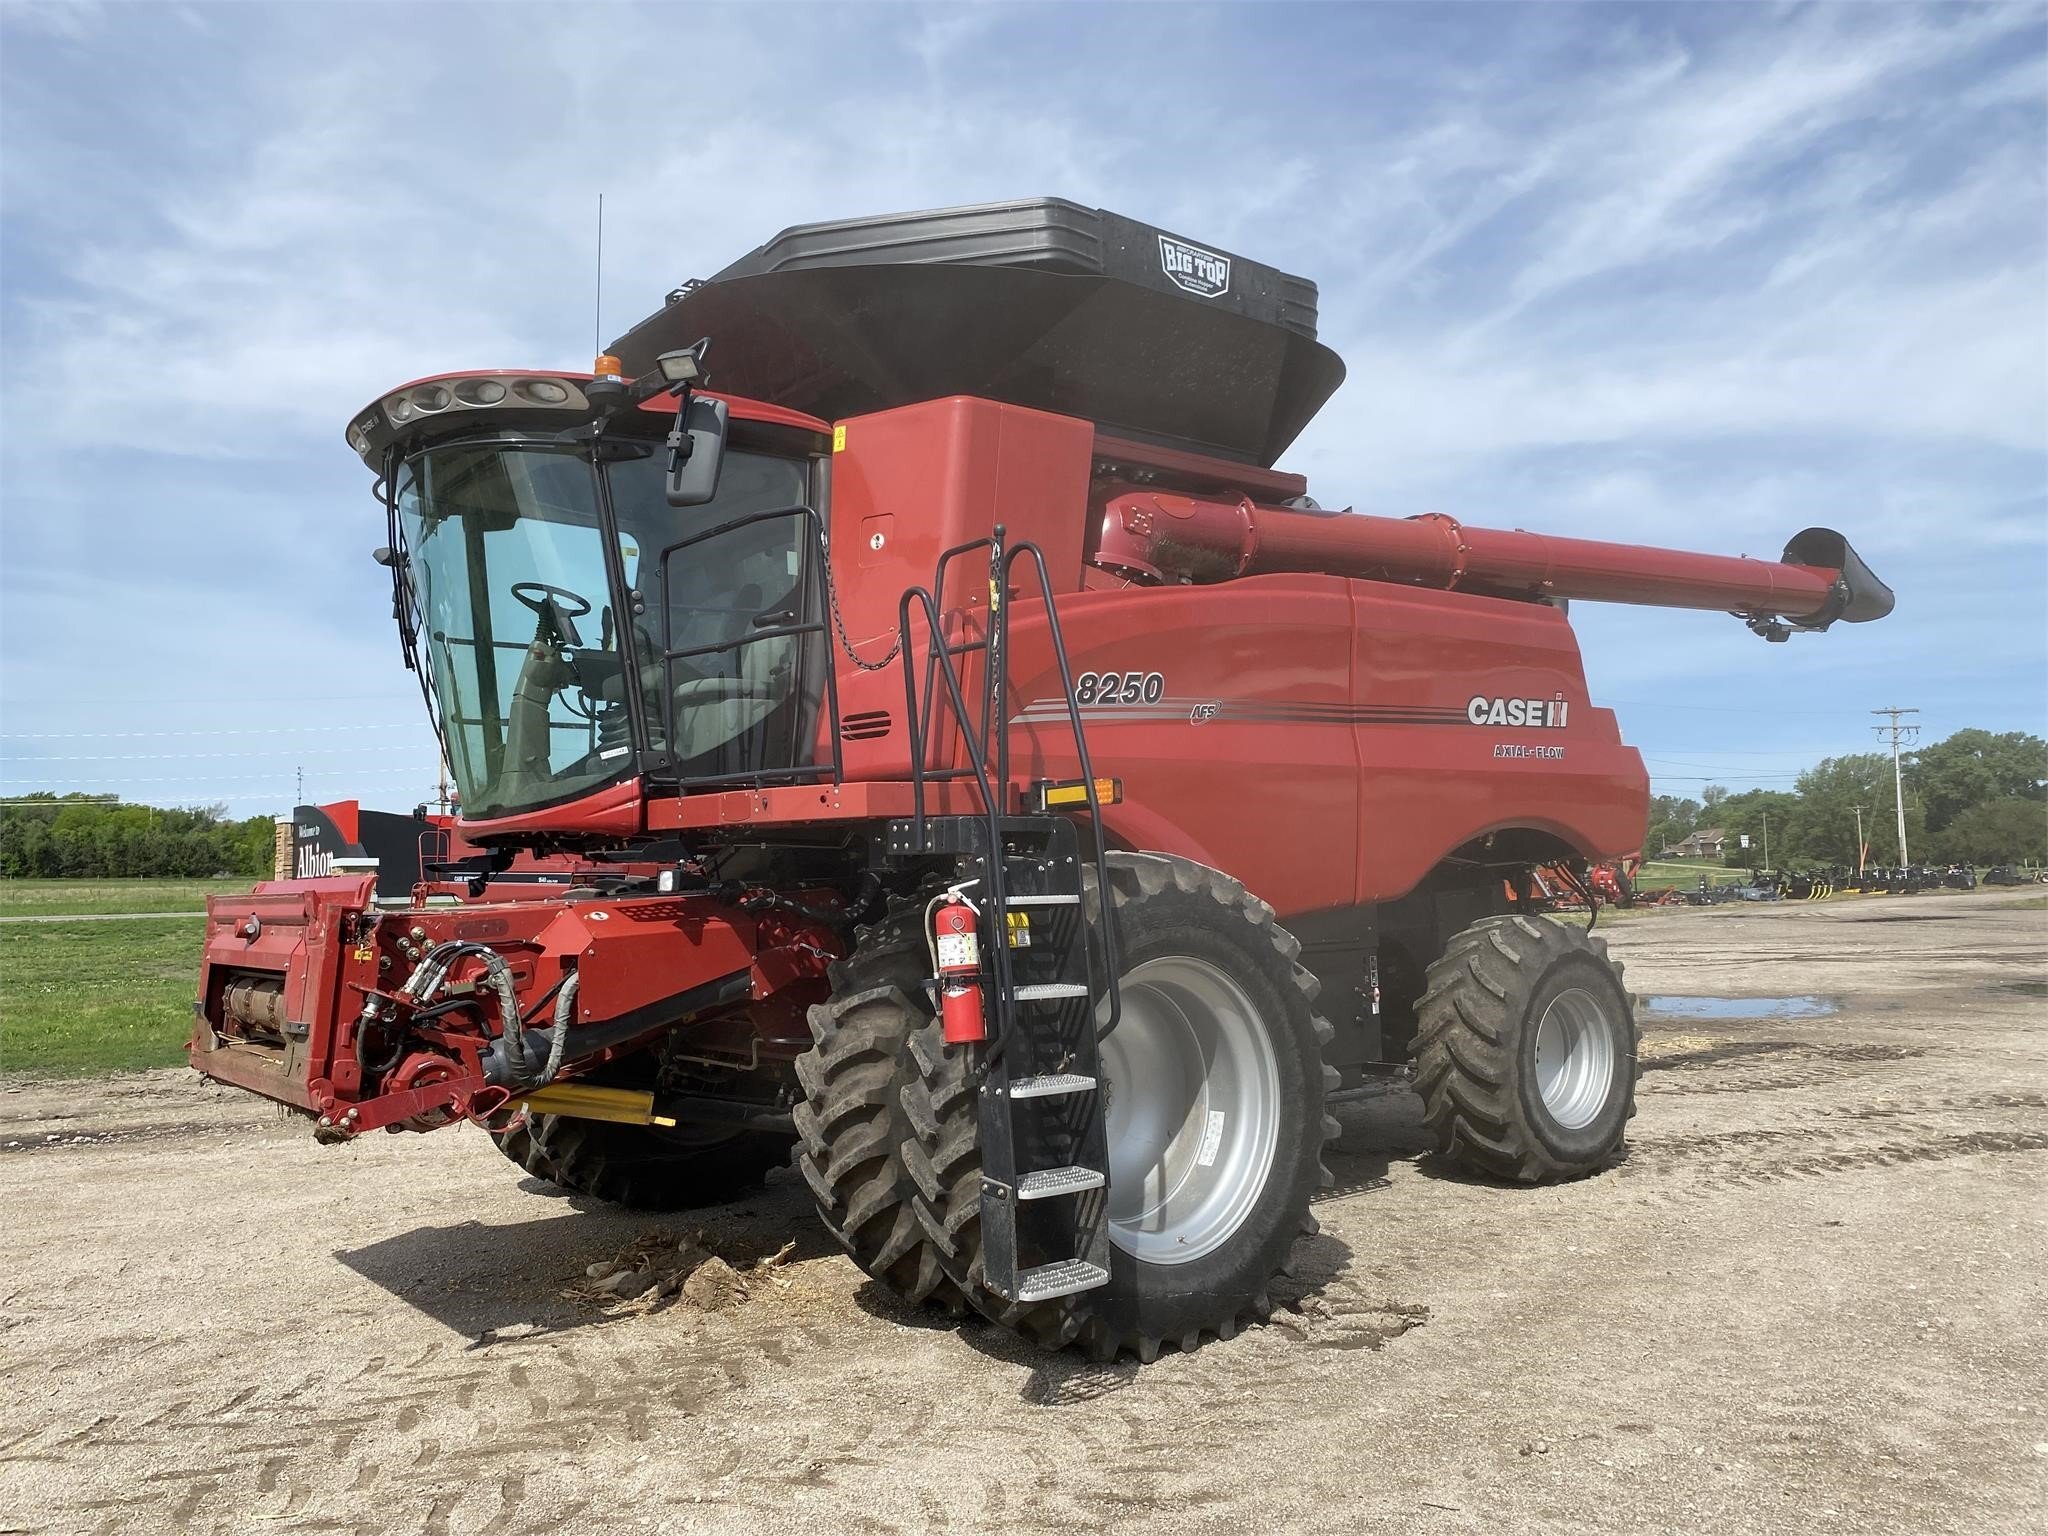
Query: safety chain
{"x": 839, "y": 619}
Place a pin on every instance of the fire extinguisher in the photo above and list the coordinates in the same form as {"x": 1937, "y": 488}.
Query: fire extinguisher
{"x": 956, "y": 957}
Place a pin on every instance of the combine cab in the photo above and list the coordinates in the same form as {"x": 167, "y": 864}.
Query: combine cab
{"x": 987, "y": 781}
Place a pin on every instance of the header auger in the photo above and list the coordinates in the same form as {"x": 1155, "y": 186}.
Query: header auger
{"x": 982, "y": 779}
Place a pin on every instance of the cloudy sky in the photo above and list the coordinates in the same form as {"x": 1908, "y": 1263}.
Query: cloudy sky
{"x": 1697, "y": 275}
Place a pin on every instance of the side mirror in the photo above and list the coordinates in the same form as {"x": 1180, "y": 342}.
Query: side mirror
{"x": 696, "y": 451}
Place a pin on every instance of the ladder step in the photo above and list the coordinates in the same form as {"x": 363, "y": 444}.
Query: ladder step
{"x": 1050, "y": 1084}
{"x": 1061, "y": 1279}
{"x": 1044, "y": 992}
{"x": 1067, "y": 900}
{"x": 1049, "y": 1182}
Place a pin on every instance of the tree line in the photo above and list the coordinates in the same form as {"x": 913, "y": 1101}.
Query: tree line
{"x": 1979, "y": 797}
{"x": 75, "y": 837}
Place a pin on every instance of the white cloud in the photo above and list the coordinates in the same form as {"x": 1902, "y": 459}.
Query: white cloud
{"x": 71, "y": 21}
{"x": 1703, "y": 276}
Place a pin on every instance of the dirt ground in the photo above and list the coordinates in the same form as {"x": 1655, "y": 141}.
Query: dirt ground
{"x": 1811, "y": 1299}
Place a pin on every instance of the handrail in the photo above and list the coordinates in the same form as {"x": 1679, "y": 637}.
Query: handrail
{"x": 977, "y": 757}
{"x": 1111, "y": 956}
{"x": 995, "y": 718}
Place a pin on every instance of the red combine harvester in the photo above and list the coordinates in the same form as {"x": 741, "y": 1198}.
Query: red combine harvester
{"x": 987, "y": 778}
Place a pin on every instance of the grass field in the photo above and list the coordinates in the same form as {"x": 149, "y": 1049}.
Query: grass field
{"x": 1685, "y": 873}
{"x": 79, "y": 999}
{"x": 49, "y": 898}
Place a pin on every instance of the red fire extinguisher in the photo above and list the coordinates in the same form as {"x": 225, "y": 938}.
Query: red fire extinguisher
{"x": 957, "y": 953}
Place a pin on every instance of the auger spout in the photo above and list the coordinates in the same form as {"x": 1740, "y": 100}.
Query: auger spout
{"x": 1158, "y": 536}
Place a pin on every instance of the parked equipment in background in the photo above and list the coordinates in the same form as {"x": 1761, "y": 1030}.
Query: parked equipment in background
{"x": 981, "y": 774}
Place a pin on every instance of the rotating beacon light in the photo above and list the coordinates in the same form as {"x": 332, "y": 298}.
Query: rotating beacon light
{"x": 607, "y": 389}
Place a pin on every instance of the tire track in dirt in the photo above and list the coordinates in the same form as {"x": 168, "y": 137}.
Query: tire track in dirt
{"x": 817, "y": 1407}
{"x": 308, "y": 1459}
{"x": 1762, "y": 1066}
{"x": 316, "y": 1466}
{"x": 1774, "y": 1156}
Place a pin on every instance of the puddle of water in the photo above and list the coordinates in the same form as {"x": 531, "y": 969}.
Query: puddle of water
{"x": 1807, "y": 1007}
{"x": 2028, "y": 988}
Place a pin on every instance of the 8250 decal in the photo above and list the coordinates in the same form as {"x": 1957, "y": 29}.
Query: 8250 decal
{"x": 1119, "y": 688}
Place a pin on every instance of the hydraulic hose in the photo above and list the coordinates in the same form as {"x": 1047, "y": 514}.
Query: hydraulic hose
{"x": 565, "y": 1010}
{"x": 432, "y": 974}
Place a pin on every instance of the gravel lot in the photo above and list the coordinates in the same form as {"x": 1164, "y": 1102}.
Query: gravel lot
{"x": 1809, "y": 1300}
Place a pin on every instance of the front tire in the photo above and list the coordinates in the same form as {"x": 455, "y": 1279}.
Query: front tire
{"x": 1223, "y": 1062}
{"x": 644, "y": 1168}
{"x": 1526, "y": 1051}
{"x": 851, "y": 1126}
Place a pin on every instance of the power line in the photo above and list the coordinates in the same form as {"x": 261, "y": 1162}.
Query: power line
{"x": 218, "y": 698}
{"x": 257, "y": 778}
{"x": 1684, "y": 762}
{"x": 1722, "y": 778}
{"x": 262, "y": 730}
{"x": 1757, "y": 711}
{"x": 242, "y": 756}
{"x": 1728, "y": 751}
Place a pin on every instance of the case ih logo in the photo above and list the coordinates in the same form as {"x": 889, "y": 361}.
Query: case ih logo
{"x": 1200, "y": 272}
{"x": 1548, "y": 713}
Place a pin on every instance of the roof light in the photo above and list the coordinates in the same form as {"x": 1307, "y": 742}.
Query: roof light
{"x": 608, "y": 367}
{"x": 451, "y": 396}
{"x": 679, "y": 367}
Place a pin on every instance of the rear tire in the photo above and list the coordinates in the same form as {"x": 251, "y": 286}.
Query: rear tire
{"x": 1526, "y": 1051}
{"x": 645, "y": 1168}
{"x": 1198, "y": 923}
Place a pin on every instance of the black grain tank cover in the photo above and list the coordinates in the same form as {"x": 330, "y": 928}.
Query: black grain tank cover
{"x": 1040, "y": 302}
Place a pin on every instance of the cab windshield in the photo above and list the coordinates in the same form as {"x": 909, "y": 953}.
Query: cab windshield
{"x": 552, "y": 647}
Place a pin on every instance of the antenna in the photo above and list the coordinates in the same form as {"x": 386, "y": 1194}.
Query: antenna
{"x": 597, "y": 318}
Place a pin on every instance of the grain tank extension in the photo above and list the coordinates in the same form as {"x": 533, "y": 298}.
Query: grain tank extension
{"x": 966, "y": 771}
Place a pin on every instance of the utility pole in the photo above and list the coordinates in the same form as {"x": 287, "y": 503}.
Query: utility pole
{"x": 1767, "y": 839}
{"x": 299, "y": 785}
{"x": 1898, "y": 732}
{"x": 1859, "y": 838}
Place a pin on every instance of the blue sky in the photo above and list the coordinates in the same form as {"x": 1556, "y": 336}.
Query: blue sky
{"x": 1694, "y": 275}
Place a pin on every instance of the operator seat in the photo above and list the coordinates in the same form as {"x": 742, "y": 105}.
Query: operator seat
{"x": 757, "y": 672}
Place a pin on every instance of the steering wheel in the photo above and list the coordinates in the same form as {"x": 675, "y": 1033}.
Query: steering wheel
{"x": 537, "y": 594}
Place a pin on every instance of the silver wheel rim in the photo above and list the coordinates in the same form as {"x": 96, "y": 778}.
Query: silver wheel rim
{"x": 1193, "y": 1112}
{"x": 1574, "y": 1058}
